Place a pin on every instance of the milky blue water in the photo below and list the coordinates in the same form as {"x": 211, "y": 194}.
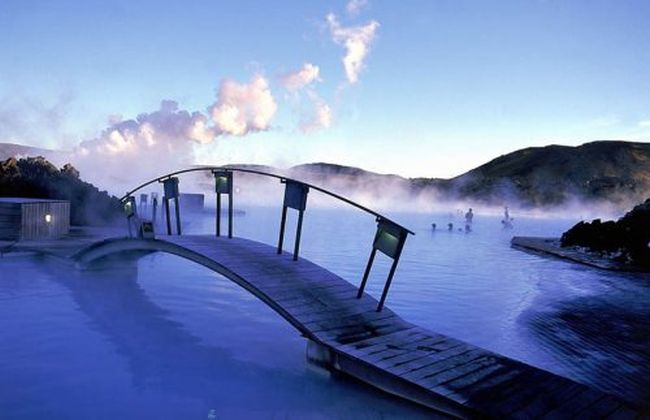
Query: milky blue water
{"x": 170, "y": 339}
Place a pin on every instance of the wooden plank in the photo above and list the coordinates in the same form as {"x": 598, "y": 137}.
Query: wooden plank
{"x": 429, "y": 359}
{"x": 571, "y": 408}
{"x": 453, "y": 388}
{"x": 457, "y": 371}
{"x": 440, "y": 365}
{"x": 489, "y": 383}
{"x": 417, "y": 350}
{"x": 407, "y": 342}
{"x": 549, "y": 399}
{"x": 532, "y": 398}
{"x": 357, "y": 345}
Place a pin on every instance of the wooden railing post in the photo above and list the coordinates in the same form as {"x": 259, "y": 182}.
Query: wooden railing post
{"x": 223, "y": 184}
{"x": 283, "y": 222}
{"x": 295, "y": 197}
{"x": 171, "y": 192}
{"x": 362, "y": 286}
{"x": 130, "y": 210}
{"x": 167, "y": 216}
{"x": 389, "y": 239}
{"x": 154, "y": 207}
{"x": 218, "y": 214}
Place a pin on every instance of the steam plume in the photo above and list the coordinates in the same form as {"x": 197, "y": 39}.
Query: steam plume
{"x": 357, "y": 40}
{"x": 242, "y": 108}
{"x": 299, "y": 79}
{"x": 355, "y": 6}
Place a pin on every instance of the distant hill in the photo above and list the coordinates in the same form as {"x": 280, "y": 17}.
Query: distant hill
{"x": 613, "y": 171}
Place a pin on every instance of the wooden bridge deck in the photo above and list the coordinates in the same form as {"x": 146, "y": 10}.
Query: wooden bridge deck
{"x": 382, "y": 349}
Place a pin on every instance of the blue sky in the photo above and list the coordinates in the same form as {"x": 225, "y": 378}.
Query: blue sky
{"x": 445, "y": 85}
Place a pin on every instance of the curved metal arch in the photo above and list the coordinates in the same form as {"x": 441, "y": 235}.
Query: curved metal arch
{"x": 85, "y": 257}
{"x": 379, "y": 216}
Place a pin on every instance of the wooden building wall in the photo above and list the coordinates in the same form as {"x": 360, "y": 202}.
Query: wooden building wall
{"x": 34, "y": 226}
{"x": 26, "y": 220}
{"x": 10, "y": 220}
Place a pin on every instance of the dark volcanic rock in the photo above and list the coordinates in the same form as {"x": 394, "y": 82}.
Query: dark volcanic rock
{"x": 629, "y": 236}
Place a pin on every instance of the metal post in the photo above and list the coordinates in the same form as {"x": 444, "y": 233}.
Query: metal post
{"x": 283, "y": 222}
{"x": 169, "y": 222}
{"x": 296, "y": 246}
{"x": 178, "y": 216}
{"x": 128, "y": 223}
{"x": 380, "y": 306}
{"x": 154, "y": 210}
{"x": 230, "y": 215}
{"x": 218, "y": 214}
{"x": 362, "y": 286}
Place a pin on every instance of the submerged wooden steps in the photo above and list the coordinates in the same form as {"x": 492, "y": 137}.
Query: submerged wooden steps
{"x": 348, "y": 335}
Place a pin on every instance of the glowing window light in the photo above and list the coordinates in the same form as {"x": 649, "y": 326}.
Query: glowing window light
{"x": 48, "y": 218}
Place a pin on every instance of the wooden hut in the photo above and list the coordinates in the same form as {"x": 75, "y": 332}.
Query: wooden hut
{"x": 33, "y": 218}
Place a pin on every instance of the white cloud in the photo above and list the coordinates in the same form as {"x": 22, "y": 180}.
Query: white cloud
{"x": 356, "y": 40}
{"x": 243, "y": 108}
{"x": 130, "y": 150}
{"x": 301, "y": 78}
{"x": 354, "y": 6}
{"x": 644, "y": 123}
{"x": 162, "y": 140}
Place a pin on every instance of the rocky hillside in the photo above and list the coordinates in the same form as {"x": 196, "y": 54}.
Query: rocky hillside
{"x": 38, "y": 178}
{"x": 607, "y": 171}
{"x": 615, "y": 172}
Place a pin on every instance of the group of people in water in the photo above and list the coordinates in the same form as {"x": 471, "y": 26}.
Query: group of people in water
{"x": 469, "y": 220}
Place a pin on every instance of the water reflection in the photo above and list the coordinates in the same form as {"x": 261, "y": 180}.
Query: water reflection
{"x": 163, "y": 358}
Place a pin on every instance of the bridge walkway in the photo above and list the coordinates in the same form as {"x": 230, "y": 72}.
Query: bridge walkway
{"x": 349, "y": 335}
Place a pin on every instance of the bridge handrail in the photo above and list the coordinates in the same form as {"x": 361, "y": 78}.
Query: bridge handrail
{"x": 272, "y": 175}
{"x": 389, "y": 238}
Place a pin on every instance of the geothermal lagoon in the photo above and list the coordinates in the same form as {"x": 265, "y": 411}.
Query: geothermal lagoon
{"x": 168, "y": 338}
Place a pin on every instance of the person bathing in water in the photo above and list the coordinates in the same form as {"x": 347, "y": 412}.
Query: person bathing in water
{"x": 507, "y": 220}
{"x": 469, "y": 217}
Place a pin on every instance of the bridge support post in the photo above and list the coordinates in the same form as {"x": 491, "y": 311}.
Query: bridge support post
{"x": 223, "y": 185}
{"x": 167, "y": 216}
{"x": 170, "y": 186}
{"x": 154, "y": 207}
{"x": 366, "y": 273}
{"x": 321, "y": 356}
{"x": 389, "y": 280}
{"x": 131, "y": 210}
{"x": 295, "y": 197}
{"x": 218, "y": 214}
{"x": 178, "y": 215}
{"x": 283, "y": 222}
{"x": 296, "y": 246}
{"x": 230, "y": 211}
{"x": 389, "y": 239}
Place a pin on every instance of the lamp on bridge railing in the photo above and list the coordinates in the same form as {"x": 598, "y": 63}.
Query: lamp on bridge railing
{"x": 295, "y": 197}
{"x": 389, "y": 239}
{"x": 170, "y": 187}
{"x": 130, "y": 210}
{"x": 223, "y": 185}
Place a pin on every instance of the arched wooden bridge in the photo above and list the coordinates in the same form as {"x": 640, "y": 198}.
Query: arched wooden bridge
{"x": 350, "y": 331}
